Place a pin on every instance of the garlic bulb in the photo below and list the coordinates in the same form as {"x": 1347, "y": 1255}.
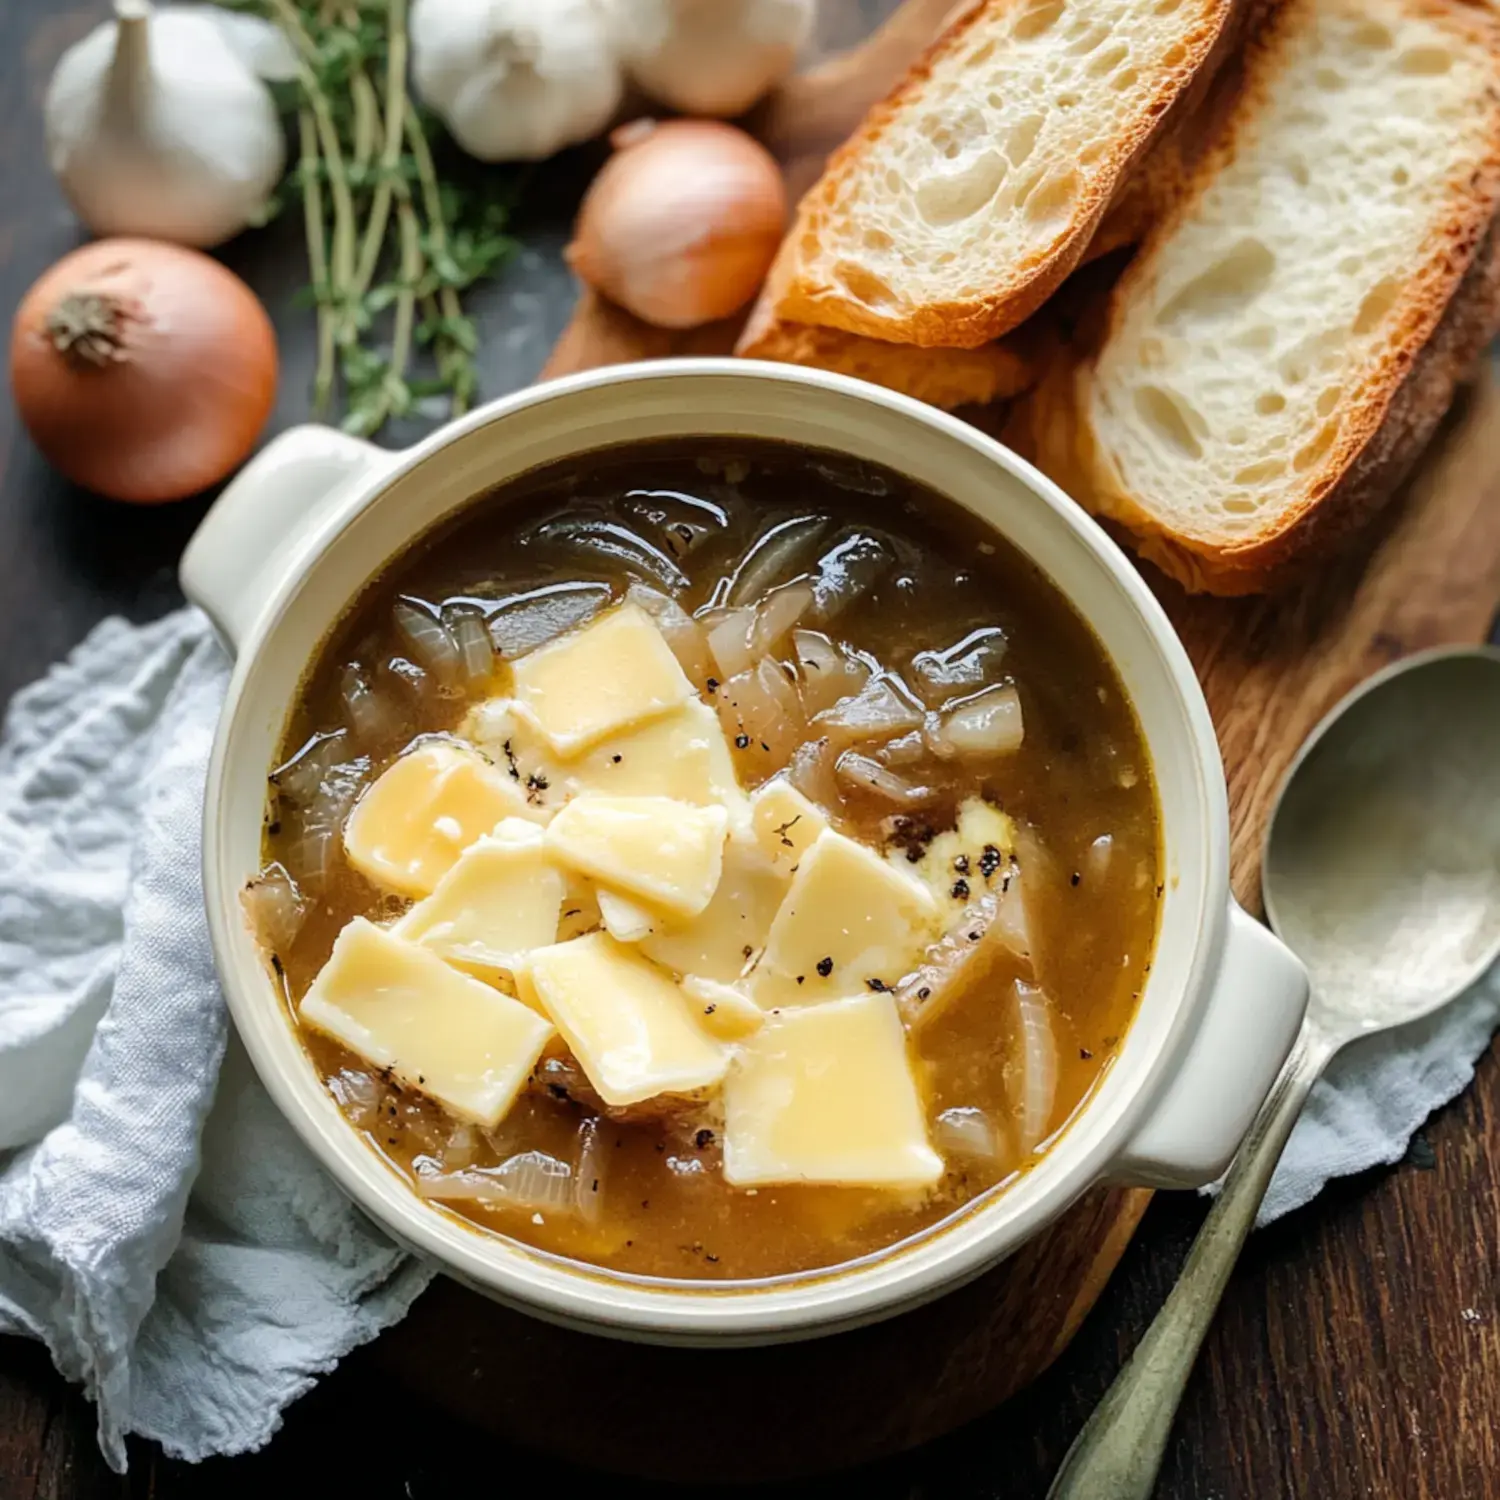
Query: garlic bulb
{"x": 515, "y": 80}
{"x": 157, "y": 126}
{"x": 709, "y": 57}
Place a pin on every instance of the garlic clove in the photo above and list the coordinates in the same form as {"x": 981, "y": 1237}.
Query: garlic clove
{"x": 156, "y": 128}
{"x": 709, "y": 57}
{"x": 514, "y": 80}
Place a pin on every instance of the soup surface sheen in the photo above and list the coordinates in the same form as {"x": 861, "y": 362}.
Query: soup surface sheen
{"x": 970, "y": 678}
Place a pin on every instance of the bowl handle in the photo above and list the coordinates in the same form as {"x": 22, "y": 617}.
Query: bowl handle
{"x": 242, "y": 545}
{"x": 1249, "y": 1025}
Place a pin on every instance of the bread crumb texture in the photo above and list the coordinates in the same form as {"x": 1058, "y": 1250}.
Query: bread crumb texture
{"x": 1257, "y": 342}
{"x": 991, "y": 166}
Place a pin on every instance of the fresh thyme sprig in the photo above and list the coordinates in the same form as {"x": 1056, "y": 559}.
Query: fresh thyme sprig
{"x": 391, "y": 246}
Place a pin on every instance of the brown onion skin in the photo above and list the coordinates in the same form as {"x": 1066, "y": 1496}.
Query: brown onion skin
{"x": 182, "y": 399}
{"x": 682, "y": 222}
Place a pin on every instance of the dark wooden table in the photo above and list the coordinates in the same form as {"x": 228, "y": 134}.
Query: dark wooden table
{"x": 1358, "y": 1351}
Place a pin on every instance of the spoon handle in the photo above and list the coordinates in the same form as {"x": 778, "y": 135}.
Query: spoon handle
{"x": 1119, "y": 1451}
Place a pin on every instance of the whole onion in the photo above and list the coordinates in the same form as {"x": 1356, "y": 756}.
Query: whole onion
{"x": 143, "y": 371}
{"x": 682, "y": 222}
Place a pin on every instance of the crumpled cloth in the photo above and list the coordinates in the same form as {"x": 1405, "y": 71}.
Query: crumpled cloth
{"x": 161, "y": 1227}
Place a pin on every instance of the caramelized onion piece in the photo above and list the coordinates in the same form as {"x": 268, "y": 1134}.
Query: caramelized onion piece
{"x": 476, "y": 653}
{"x": 989, "y": 723}
{"x": 867, "y": 775}
{"x": 877, "y": 712}
{"x": 530, "y": 1182}
{"x": 777, "y": 614}
{"x": 274, "y": 908}
{"x": 372, "y": 715}
{"x": 1038, "y": 1090}
{"x": 762, "y": 715}
{"x": 811, "y": 771}
{"x": 826, "y": 672}
{"x": 772, "y": 558}
{"x": 428, "y": 641}
{"x": 962, "y": 667}
{"x": 729, "y": 640}
{"x": 966, "y": 1132}
{"x": 522, "y": 622}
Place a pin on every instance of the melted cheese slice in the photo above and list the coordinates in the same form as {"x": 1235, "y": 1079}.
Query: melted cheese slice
{"x": 785, "y": 822}
{"x": 725, "y": 937}
{"x": 848, "y": 918}
{"x": 824, "y": 1093}
{"x": 724, "y": 1010}
{"x": 955, "y": 865}
{"x": 401, "y": 1007}
{"x": 683, "y": 755}
{"x": 667, "y": 854}
{"x": 628, "y": 1024}
{"x": 502, "y": 899}
{"x": 625, "y": 920}
{"x": 428, "y": 806}
{"x": 512, "y": 742}
{"x": 609, "y": 676}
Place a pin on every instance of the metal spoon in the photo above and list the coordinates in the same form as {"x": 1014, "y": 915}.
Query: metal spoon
{"x": 1381, "y": 870}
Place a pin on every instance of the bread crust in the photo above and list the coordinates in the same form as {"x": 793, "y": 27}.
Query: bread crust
{"x": 1449, "y": 311}
{"x": 810, "y": 297}
{"x": 944, "y": 378}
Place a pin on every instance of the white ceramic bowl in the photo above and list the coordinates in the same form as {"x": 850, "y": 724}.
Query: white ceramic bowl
{"x": 292, "y": 541}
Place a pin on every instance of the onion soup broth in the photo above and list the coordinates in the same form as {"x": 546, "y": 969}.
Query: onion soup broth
{"x": 865, "y": 641}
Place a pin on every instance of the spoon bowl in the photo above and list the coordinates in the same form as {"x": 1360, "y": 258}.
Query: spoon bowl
{"x": 1381, "y": 868}
{"x": 1381, "y": 871}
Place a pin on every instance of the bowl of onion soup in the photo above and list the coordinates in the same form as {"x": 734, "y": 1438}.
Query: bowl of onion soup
{"x": 718, "y": 852}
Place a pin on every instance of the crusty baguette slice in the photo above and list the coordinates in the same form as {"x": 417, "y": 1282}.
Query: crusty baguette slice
{"x": 944, "y": 378}
{"x": 940, "y": 377}
{"x": 1284, "y": 344}
{"x": 970, "y": 193}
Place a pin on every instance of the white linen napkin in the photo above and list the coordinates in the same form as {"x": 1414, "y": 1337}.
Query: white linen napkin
{"x": 161, "y": 1228}
{"x": 191, "y": 1266}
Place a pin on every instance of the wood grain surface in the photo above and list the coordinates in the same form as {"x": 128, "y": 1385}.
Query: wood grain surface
{"x": 1358, "y": 1351}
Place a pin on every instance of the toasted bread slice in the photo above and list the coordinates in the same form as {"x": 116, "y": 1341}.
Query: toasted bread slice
{"x": 940, "y": 377}
{"x": 1285, "y": 343}
{"x": 970, "y": 193}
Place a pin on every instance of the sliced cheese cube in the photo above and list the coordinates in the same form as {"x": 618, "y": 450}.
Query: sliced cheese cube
{"x": 513, "y": 742}
{"x": 725, "y": 1010}
{"x": 502, "y": 899}
{"x": 785, "y": 822}
{"x": 825, "y": 1093}
{"x": 400, "y": 1007}
{"x": 727, "y": 935}
{"x": 849, "y": 918}
{"x": 683, "y": 755}
{"x": 625, "y": 920}
{"x": 956, "y": 866}
{"x": 427, "y": 807}
{"x": 628, "y": 1024}
{"x": 666, "y": 853}
{"x": 612, "y": 674}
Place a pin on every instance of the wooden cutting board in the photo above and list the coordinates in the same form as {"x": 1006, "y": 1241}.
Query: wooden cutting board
{"x": 1428, "y": 574}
